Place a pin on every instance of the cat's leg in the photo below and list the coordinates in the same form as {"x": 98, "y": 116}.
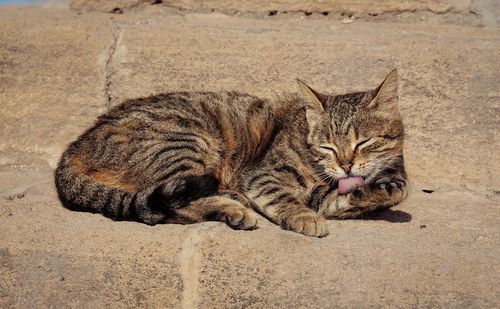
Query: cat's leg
{"x": 286, "y": 206}
{"x": 237, "y": 196}
{"x": 178, "y": 192}
{"x": 193, "y": 199}
{"x": 220, "y": 207}
{"x": 186, "y": 190}
{"x": 384, "y": 193}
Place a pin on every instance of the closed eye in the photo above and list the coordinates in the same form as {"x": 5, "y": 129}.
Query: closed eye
{"x": 390, "y": 137}
{"x": 363, "y": 142}
{"x": 329, "y": 148}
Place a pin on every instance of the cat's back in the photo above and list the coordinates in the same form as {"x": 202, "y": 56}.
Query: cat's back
{"x": 194, "y": 104}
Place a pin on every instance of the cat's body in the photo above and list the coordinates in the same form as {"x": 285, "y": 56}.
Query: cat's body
{"x": 191, "y": 157}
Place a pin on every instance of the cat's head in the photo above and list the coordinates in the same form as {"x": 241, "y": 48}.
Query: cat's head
{"x": 356, "y": 134}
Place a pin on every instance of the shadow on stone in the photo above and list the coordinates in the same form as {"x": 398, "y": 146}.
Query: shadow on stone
{"x": 395, "y": 216}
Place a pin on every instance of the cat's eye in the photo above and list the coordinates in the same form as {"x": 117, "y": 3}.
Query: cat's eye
{"x": 387, "y": 136}
{"x": 362, "y": 142}
{"x": 329, "y": 148}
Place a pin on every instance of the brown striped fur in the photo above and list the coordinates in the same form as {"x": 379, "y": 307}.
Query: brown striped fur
{"x": 189, "y": 157}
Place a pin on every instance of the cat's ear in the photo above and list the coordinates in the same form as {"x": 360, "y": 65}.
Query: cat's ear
{"x": 311, "y": 96}
{"x": 386, "y": 95}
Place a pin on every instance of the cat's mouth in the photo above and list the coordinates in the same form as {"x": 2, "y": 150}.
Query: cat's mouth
{"x": 349, "y": 184}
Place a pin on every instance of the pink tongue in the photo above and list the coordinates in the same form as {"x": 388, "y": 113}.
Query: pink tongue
{"x": 349, "y": 184}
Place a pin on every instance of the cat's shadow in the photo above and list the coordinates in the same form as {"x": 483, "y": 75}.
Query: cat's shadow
{"x": 389, "y": 215}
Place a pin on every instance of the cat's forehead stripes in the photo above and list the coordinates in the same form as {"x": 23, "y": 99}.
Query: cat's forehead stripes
{"x": 345, "y": 127}
{"x": 353, "y": 135}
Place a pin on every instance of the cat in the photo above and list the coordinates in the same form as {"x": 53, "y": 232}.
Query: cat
{"x": 187, "y": 157}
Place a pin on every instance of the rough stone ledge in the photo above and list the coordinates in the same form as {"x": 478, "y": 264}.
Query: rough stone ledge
{"x": 465, "y": 12}
{"x": 436, "y": 249}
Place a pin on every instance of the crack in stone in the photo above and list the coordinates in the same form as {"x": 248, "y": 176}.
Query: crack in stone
{"x": 447, "y": 15}
{"x": 190, "y": 259}
{"x": 325, "y": 12}
{"x": 20, "y": 191}
{"x": 117, "y": 35}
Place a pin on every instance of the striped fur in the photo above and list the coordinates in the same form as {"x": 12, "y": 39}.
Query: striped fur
{"x": 190, "y": 157}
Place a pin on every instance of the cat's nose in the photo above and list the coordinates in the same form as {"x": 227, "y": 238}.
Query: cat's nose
{"x": 346, "y": 167}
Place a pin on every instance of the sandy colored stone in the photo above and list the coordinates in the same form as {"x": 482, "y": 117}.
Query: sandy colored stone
{"x": 488, "y": 10}
{"x": 59, "y": 69}
{"x": 116, "y": 6}
{"x": 417, "y": 261}
{"x": 360, "y": 6}
{"x": 263, "y": 6}
{"x": 56, "y": 258}
{"x": 52, "y": 80}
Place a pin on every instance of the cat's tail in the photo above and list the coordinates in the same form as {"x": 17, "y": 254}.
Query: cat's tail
{"x": 80, "y": 192}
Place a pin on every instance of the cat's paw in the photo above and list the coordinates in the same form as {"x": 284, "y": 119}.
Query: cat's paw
{"x": 391, "y": 187}
{"x": 239, "y": 218}
{"x": 190, "y": 187}
{"x": 307, "y": 223}
{"x": 149, "y": 217}
{"x": 177, "y": 193}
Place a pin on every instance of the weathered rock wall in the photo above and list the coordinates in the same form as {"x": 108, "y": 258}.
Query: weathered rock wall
{"x": 61, "y": 68}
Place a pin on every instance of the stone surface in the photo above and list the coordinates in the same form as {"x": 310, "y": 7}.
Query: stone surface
{"x": 489, "y": 10}
{"x": 263, "y": 6}
{"x": 50, "y": 259}
{"x": 115, "y": 6}
{"x": 461, "y": 12}
{"x": 52, "y": 80}
{"x": 425, "y": 262}
{"x": 59, "y": 69}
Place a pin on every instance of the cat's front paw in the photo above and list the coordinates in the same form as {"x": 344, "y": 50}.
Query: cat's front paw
{"x": 392, "y": 187}
{"x": 239, "y": 218}
{"x": 307, "y": 223}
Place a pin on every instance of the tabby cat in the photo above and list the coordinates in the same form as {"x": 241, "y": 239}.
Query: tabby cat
{"x": 188, "y": 157}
